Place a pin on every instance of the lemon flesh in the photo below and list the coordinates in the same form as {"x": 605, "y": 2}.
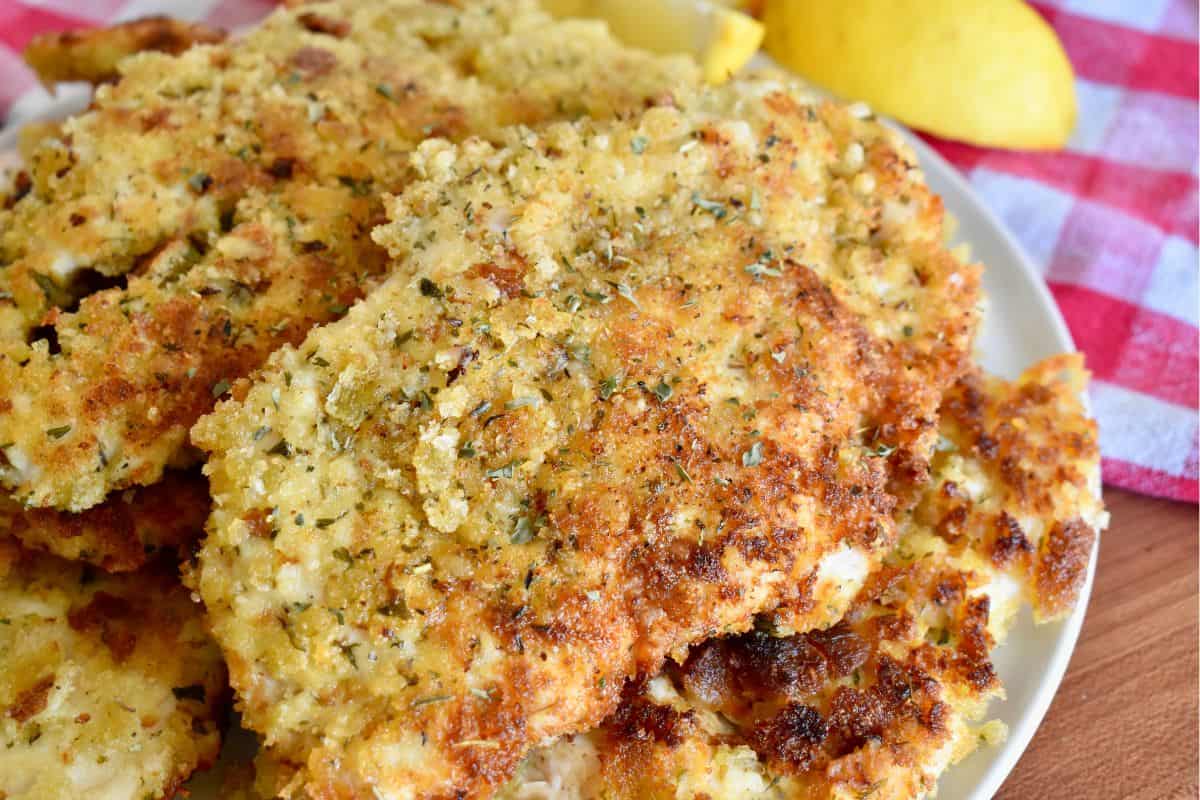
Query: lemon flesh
{"x": 721, "y": 38}
{"x": 989, "y": 72}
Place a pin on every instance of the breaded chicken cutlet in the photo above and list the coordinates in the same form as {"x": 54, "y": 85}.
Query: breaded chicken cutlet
{"x": 880, "y": 704}
{"x": 213, "y": 206}
{"x": 121, "y": 534}
{"x": 628, "y": 386}
{"x": 1018, "y": 480}
{"x": 110, "y": 686}
{"x": 95, "y": 55}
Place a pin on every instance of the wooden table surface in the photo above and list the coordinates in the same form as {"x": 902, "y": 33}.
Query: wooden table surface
{"x": 1124, "y": 721}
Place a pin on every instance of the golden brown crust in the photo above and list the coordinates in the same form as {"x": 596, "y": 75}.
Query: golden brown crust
{"x": 625, "y": 389}
{"x": 230, "y": 208}
{"x": 875, "y": 706}
{"x": 1039, "y": 456}
{"x": 1062, "y": 565}
{"x": 806, "y": 701}
{"x": 123, "y": 533}
{"x": 109, "y": 685}
{"x": 32, "y": 701}
{"x": 881, "y": 703}
{"x": 95, "y": 55}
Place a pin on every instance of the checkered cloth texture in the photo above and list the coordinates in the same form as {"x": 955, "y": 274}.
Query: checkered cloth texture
{"x": 1111, "y": 220}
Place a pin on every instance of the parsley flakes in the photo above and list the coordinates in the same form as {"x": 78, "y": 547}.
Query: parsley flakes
{"x": 430, "y": 289}
{"x": 711, "y": 206}
{"x": 502, "y": 472}
{"x": 609, "y": 386}
{"x": 523, "y": 532}
{"x": 761, "y": 271}
{"x": 754, "y": 456}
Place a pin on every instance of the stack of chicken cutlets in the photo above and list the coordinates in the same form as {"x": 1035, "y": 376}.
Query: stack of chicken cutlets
{"x": 483, "y": 408}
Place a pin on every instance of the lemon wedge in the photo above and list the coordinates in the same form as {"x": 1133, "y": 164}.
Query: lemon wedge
{"x": 989, "y": 72}
{"x": 721, "y": 38}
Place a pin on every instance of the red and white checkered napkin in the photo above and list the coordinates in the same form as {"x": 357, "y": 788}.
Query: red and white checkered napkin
{"x": 1111, "y": 220}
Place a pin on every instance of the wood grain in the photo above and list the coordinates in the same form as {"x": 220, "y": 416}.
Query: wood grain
{"x": 1124, "y": 722}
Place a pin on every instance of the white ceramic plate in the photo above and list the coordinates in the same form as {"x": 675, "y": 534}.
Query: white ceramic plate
{"x": 1022, "y": 325}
